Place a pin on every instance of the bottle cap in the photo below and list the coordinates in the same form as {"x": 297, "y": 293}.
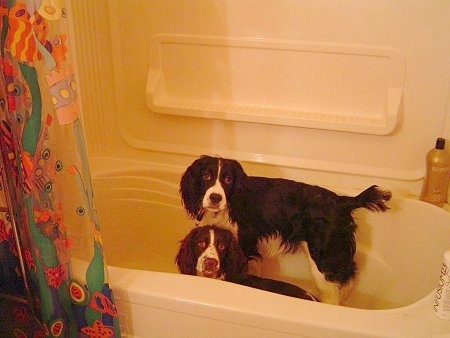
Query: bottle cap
{"x": 440, "y": 143}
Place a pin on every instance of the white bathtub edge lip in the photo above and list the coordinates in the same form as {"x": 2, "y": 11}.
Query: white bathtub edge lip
{"x": 132, "y": 285}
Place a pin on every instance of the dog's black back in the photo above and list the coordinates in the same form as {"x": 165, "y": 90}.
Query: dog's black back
{"x": 301, "y": 212}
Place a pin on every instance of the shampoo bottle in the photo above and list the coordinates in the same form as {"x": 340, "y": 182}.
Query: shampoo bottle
{"x": 435, "y": 184}
{"x": 441, "y": 305}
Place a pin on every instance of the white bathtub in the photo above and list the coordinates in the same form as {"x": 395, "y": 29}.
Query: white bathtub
{"x": 399, "y": 256}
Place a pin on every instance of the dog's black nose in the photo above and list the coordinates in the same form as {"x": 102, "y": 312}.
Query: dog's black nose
{"x": 211, "y": 263}
{"x": 215, "y": 198}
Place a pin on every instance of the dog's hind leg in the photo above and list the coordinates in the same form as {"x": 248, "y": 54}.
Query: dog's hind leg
{"x": 267, "y": 247}
{"x": 329, "y": 291}
{"x": 254, "y": 266}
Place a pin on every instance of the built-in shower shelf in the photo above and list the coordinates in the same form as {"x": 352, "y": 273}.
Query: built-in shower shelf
{"x": 291, "y": 83}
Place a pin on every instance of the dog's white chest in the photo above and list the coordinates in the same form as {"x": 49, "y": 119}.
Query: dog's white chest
{"x": 220, "y": 219}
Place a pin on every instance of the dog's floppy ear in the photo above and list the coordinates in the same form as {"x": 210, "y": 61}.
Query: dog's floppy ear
{"x": 237, "y": 196}
{"x": 234, "y": 263}
{"x": 190, "y": 188}
{"x": 185, "y": 258}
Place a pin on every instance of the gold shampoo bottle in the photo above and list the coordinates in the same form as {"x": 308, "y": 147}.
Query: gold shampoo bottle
{"x": 435, "y": 184}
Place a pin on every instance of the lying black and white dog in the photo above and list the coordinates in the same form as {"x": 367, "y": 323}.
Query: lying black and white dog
{"x": 303, "y": 217}
{"x": 213, "y": 252}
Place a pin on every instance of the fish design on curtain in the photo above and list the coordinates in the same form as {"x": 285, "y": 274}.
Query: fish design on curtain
{"x": 53, "y": 276}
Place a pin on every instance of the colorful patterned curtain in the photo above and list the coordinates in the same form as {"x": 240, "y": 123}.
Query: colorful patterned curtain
{"x": 53, "y": 278}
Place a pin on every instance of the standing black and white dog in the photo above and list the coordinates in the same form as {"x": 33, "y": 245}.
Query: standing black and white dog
{"x": 303, "y": 217}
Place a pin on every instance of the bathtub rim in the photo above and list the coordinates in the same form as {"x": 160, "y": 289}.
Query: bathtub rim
{"x": 168, "y": 291}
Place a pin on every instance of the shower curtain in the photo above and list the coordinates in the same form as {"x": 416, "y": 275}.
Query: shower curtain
{"x": 53, "y": 277}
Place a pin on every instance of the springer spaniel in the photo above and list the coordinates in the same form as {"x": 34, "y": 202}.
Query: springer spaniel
{"x": 213, "y": 252}
{"x": 301, "y": 216}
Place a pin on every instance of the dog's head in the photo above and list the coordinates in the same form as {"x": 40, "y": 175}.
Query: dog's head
{"x": 210, "y": 251}
{"x": 208, "y": 183}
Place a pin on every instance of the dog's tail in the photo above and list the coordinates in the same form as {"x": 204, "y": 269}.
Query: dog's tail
{"x": 372, "y": 198}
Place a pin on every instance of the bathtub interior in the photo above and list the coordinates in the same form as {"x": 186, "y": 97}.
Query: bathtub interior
{"x": 398, "y": 252}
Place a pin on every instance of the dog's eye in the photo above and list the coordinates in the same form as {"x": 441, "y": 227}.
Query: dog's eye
{"x": 227, "y": 180}
{"x": 201, "y": 244}
{"x": 207, "y": 176}
{"x": 220, "y": 247}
